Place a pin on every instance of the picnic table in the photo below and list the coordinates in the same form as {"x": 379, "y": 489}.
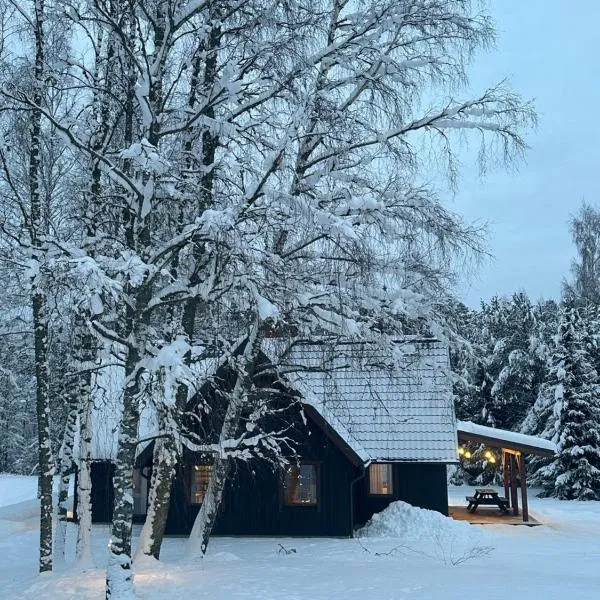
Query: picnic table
{"x": 486, "y": 497}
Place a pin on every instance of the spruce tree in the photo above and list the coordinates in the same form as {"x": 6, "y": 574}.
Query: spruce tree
{"x": 568, "y": 412}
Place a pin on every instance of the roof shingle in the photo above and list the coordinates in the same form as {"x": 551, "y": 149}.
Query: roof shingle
{"x": 394, "y": 410}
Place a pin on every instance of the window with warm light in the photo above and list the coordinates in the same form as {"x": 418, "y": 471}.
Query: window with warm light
{"x": 199, "y": 484}
{"x": 381, "y": 480}
{"x": 300, "y": 485}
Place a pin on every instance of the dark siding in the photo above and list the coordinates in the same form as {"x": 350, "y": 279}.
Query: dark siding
{"x": 252, "y": 503}
{"x": 419, "y": 484}
{"x": 102, "y": 491}
{"x": 424, "y": 485}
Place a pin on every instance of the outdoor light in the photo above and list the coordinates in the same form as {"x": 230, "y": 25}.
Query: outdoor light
{"x": 468, "y": 454}
{"x": 492, "y": 459}
{"x": 461, "y": 450}
{"x": 489, "y": 455}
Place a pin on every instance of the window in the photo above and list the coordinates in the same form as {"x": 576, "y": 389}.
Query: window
{"x": 381, "y": 480}
{"x": 140, "y": 492}
{"x": 200, "y": 478}
{"x": 300, "y": 485}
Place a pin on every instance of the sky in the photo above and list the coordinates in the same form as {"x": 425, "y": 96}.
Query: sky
{"x": 550, "y": 51}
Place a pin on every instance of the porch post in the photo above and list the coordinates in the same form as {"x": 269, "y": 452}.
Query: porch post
{"x": 523, "y": 474}
{"x": 513, "y": 484}
{"x": 505, "y": 475}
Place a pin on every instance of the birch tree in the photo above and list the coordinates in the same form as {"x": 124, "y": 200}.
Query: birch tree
{"x": 339, "y": 169}
{"x": 261, "y": 161}
{"x": 32, "y": 217}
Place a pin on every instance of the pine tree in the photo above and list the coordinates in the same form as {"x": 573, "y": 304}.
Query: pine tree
{"x": 568, "y": 412}
{"x": 515, "y": 367}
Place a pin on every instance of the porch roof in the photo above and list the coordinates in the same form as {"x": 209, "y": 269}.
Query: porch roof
{"x": 501, "y": 438}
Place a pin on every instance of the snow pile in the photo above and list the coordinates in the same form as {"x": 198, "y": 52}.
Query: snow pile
{"x": 412, "y": 524}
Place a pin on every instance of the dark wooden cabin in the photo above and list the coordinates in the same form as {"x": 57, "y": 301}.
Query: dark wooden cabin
{"x": 363, "y": 435}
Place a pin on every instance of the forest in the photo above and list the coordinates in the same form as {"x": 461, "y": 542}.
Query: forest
{"x": 533, "y": 367}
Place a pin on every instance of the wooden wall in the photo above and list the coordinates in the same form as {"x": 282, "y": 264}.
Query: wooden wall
{"x": 102, "y": 491}
{"x": 419, "y": 484}
{"x": 252, "y": 503}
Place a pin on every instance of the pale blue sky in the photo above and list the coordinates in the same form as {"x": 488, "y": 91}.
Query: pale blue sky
{"x": 550, "y": 50}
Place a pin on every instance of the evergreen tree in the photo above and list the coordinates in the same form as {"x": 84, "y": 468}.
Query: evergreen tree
{"x": 516, "y": 369}
{"x": 568, "y": 412}
{"x": 498, "y": 378}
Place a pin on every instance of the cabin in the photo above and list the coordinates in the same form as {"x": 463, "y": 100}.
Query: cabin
{"x": 362, "y": 430}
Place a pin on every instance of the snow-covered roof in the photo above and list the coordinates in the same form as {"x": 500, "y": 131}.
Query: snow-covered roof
{"x": 394, "y": 409}
{"x": 107, "y": 393}
{"x": 509, "y": 438}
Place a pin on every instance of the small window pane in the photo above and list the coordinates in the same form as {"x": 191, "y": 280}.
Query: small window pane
{"x": 140, "y": 493}
{"x": 380, "y": 480}
{"x": 300, "y": 485}
{"x": 200, "y": 479}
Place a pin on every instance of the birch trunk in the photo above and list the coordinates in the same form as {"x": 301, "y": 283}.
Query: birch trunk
{"x": 119, "y": 575}
{"x": 83, "y": 553}
{"x": 38, "y": 229}
{"x": 165, "y": 460}
{"x": 205, "y": 520}
{"x": 66, "y": 469}
{"x": 46, "y": 466}
{"x": 165, "y": 452}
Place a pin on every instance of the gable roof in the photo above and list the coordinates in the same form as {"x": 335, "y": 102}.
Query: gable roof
{"x": 107, "y": 393}
{"x": 379, "y": 408}
{"x": 384, "y": 412}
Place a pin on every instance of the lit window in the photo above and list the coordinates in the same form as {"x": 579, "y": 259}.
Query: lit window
{"x": 300, "y": 485}
{"x": 381, "y": 480}
{"x": 200, "y": 479}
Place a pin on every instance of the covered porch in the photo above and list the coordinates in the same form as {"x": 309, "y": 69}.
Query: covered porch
{"x": 515, "y": 448}
{"x": 489, "y": 517}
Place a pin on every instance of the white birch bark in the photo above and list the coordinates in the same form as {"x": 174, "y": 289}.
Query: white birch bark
{"x": 66, "y": 466}
{"x": 199, "y": 538}
{"x": 38, "y": 231}
{"x": 165, "y": 461}
{"x": 166, "y": 449}
{"x": 119, "y": 575}
{"x": 83, "y": 552}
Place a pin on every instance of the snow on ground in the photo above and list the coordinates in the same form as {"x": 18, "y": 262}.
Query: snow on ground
{"x": 16, "y": 488}
{"x": 395, "y": 559}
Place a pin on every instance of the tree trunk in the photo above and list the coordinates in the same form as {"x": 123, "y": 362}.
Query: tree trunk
{"x": 119, "y": 576}
{"x": 46, "y": 463}
{"x": 66, "y": 469}
{"x": 165, "y": 461}
{"x": 205, "y": 520}
{"x": 38, "y": 228}
{"x": 83, "y": 555}
{"x": 165, "y": 452}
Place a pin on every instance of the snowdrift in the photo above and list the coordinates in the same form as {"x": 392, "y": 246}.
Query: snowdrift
{"x": 411, "y": 524}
